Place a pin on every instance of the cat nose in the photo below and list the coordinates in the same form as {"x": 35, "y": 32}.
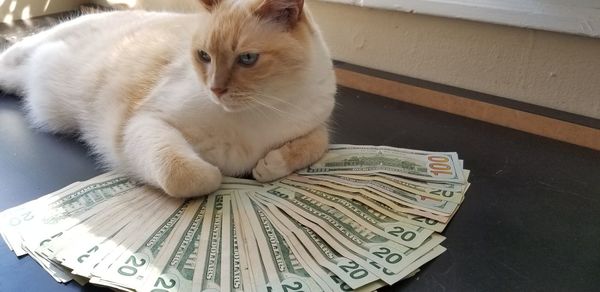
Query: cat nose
{"x": 218, "y": 91}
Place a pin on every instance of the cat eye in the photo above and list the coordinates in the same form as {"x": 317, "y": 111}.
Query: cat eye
{"x": 248, "y": 59}
{"x": 204, "y": 56}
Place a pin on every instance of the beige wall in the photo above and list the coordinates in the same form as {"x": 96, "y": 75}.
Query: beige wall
{"x": 158, "y": 5}
{"x": 25, "y": 9}
{"x": 554, "y": 70}
{"x": 549, "y": 69}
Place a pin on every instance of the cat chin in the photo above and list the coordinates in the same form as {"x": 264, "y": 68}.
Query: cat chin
{"x": 230, "y": 107}
{"x": 233, "y": 108}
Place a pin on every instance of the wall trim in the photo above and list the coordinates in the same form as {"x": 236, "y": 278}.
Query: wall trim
{"x": 575, "y": 16}
{"x": 574, "y": 129}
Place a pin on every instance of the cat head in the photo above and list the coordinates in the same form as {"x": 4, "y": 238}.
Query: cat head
{"x": 249, "y": 53}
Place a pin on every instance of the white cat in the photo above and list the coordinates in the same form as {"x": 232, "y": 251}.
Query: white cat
{"x": 177, "y": 100}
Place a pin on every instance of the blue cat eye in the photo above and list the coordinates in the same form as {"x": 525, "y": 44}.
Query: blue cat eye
{"x": 204, "y": 56}
{"x": 248, "y": 59}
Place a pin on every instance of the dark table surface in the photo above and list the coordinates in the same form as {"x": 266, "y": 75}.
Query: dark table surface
{"x": 529, "y": 222}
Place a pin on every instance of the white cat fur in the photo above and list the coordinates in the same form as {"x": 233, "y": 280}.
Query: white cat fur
{"x": 58, "y": 72}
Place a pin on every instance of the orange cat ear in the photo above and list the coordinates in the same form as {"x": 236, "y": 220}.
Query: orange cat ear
{"x": 210, "y": 4}
{"x": 286, "y": 12}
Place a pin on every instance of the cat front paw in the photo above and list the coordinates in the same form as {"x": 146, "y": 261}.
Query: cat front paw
{"x": 190, "y": 178}
{"x": 272, "y": 167}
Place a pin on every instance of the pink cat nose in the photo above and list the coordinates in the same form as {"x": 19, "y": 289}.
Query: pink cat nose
{"x": 218, "y": 91}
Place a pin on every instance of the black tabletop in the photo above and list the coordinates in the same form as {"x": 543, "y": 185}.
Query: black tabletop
{"x": 529, "y": 222}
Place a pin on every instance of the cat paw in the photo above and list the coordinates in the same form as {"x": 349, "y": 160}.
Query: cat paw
{"x": 185, "y": 179}
{"x": 272, "y": 167}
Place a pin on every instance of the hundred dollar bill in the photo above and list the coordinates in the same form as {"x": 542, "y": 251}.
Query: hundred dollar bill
{"x": 379, "y": 204}
{"x": 358, "y": 159}
{"x": 360, "y": 258}
{"x": 381, "y": 250}
{"x": 280, "y": 262}
{"x": 377, "y": 222}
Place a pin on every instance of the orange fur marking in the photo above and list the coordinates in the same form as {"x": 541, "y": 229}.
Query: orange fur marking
{"x": 305, "y": 150}
{"x": 237, "y": 31}
{"x": 138, "y": 79}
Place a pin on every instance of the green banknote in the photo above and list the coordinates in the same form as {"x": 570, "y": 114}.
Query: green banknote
{"x": 379, "y": 249}
{"x": 130, "y": 268}
{"x": 415, "y": 164}
{"x": 178, "y": 272}
{"x": 360, "y": 257}
{"x": 346, "y": 272}
{"x": 279, "y": 260}
{"x": 377, "y": 222}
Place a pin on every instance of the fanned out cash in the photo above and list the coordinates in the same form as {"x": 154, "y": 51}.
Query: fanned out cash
{"x": 360, "y": 218}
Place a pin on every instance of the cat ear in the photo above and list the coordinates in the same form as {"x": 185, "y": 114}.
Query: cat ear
{"x": 286, "y": 12}
{"x": 210, "y": 4}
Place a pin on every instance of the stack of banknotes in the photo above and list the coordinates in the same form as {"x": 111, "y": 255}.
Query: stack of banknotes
{"x": 360, "y": 218}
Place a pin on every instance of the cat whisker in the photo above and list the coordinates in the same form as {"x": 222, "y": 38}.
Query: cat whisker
{"x": 275, "y": 109}
{"x": 289, "y": 114}
{"x": 275, "y": 98}
{"x": 281, "y": 113}
{"x": 298, "y": 117}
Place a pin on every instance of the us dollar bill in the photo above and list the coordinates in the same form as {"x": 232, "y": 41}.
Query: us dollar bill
{"x": 232, "y": 271}
{"x": 441, "y": 191}
{"x": 378, "y": 249}
{"x": 207, "y": 274}
{"x": 63, "y": 211}
{"x": 232, "y": 183}
{"x": 69, "y": 248}
{"x": 358, "y": 219}
{"x": 320, "y": 274}
{"x": 85, "y": 261}
{"x": 346, "y": 270}
{"x": 284, "y": 269}
{"x": 361, "y": 194}
{"x": 177, "y": 272}
{"x": 415, "y": 164}
{"x": 398, "y": 231}
{"x": 133, "y": 264}
{"x": 360, "y": 258}
{"x": 59, "y": 207}
{"x": 258, "y": 278}
{"x": 398, "y": 195}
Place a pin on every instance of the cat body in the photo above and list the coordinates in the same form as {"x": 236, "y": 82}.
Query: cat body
{"x": 136, "y": 87}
